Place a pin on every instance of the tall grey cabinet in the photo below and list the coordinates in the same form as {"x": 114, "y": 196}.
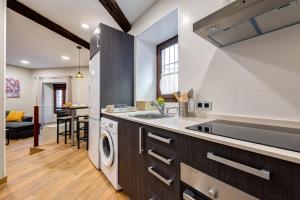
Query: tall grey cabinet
{"x": 116, "y": 50}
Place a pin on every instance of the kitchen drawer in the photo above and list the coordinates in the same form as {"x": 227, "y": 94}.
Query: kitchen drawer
{"x": 229, "y": 165}
{"x": 159, "y": 154}
{"x": 158, "y": 184}
{"x": 164, "y": 159}
{"x": 164, "y": 138}
{"x": 157, "y": 181}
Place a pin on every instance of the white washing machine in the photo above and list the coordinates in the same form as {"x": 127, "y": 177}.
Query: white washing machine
{"x": 108, "y": 148}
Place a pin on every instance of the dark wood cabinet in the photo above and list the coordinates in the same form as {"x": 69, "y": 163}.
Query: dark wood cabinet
{"x": 130, "y": 161}
{"x": 284, "y": 176}
{"x": 162, "y": 164}
{"x": 116, "y": 52}
{"x": 154, "y": 172}
{"x": 146, "y": 164}
{"x": 116, "y": 67}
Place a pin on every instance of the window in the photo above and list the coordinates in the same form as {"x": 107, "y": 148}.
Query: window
{"x": 59, "y": 96}
{"x": 167, "y": 69}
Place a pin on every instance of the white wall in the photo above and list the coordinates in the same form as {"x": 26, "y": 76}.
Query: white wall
{"x": 26, "y": 100}
{"x": 80, "y": 88}
{"x": 145, "y": 55}
{"x": 28, "y": 84}
{"x": 2, "y": 77}
{"x": 48, "y": 103}
{"x": 256, "y": 78}
{"x": 145, "y": 71}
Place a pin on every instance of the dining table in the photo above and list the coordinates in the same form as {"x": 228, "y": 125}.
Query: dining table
{"x": 73, "y": 110}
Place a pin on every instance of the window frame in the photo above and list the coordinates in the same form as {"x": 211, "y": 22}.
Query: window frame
{"x": 56, "y": 87}
{"x": 159, "y": 48}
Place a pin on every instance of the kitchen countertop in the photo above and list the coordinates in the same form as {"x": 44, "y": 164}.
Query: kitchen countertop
{"x": 179, "y": 124}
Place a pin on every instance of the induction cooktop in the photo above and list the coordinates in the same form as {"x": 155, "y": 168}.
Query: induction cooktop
{"x": 274, "y": 136}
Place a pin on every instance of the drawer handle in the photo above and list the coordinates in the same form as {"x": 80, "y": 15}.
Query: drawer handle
{"x": 188, "y": 195}
{"x": 260, "y": 173}
{"x": 159, "y": 157}
{"x": 141, "y": 149}
{"x": 168, "y": 182}
{"x": 165, "y": 140}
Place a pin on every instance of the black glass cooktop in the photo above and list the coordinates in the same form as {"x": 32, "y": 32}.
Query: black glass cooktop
{"x": 281, "y": 137}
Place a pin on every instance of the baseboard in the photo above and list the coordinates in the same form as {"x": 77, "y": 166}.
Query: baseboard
{"x": 3, "y": 180}
{"x": 35, "y": 150}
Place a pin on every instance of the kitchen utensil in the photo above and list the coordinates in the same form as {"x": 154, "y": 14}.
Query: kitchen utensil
{"x": 176, "y": 96}
{"x": 184, "y": 97}
{"x": 183, "y": 109}
{"x": 191, "y": 93}
{"x": 179, "y": 95}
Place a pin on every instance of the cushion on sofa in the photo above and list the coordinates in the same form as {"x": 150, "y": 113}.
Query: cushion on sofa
{"x": 15, "y": 116}
{"x": 19, "y": 125}
{"x": 20, "y": 129}
{"x": 27, "y": 119}
{"x": 24, "y": 118}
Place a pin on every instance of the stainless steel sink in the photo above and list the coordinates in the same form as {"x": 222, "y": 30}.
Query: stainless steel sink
{"x": 151, "y": 115}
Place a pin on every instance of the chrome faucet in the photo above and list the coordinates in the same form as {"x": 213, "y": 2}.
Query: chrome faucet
{"x": 161, "y": 108}
{"x": 170, "y": 108}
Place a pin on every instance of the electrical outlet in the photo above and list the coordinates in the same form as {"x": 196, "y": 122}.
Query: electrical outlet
{"x": 204, "y": 105}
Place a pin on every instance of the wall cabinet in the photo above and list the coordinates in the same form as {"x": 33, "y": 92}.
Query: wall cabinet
{"x": 116, "y": 67}
{"x": 114, "y": 52}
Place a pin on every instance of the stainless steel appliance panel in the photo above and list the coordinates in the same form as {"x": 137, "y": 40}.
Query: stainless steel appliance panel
{"x": 211, "y": 187}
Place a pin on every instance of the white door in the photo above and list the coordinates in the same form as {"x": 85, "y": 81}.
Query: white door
{"x": 94, "y": 86}
{"x": 106, "y": 149}
{"x": 94, "y": 138}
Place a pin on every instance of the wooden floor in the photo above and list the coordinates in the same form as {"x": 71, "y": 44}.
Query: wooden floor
{"x": 60, "y": 172}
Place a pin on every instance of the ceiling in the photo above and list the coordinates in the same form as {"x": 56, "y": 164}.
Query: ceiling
{"x": 27, "y": 40}
{"x": 43, "y": 48}
{"x": 70, "y": 14}
{"x": 133, "y": 9}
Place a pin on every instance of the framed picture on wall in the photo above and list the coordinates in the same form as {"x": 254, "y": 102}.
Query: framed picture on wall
{"x": 12, "y": 88}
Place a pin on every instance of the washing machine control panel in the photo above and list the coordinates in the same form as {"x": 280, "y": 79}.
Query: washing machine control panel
{"x": 109, "y": 125}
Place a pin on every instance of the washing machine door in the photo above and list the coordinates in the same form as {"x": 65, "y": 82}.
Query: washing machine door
{"x": 106, "y": 149}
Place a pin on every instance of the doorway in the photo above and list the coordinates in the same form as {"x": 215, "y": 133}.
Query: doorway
{"x": 54, "y": 97}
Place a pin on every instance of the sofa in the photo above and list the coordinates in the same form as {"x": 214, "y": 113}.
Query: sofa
{"x": 21, "y": 129}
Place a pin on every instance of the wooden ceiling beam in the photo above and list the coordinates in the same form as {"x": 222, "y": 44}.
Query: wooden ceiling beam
{"x": 114, "y": 10}
{"x": 36, "y": 17}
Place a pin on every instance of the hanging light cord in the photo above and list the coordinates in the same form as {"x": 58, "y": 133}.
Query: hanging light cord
{"x": 79, "y": 58}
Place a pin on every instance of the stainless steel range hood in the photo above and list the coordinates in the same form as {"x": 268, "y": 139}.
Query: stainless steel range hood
{"x": 245, "y": 19}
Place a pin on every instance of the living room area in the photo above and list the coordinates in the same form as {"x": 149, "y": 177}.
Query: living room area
{"x": 47, "y": 70}
{"x": 43, "y": 68}
{"x": 49, "y": 89}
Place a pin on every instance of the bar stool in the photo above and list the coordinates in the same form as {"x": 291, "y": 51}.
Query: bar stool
{"x": 82, "y": 116}
{"x": 85, "y": 130}
{"x": 77, "y": 118}
{"x": 66, "y": 132}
